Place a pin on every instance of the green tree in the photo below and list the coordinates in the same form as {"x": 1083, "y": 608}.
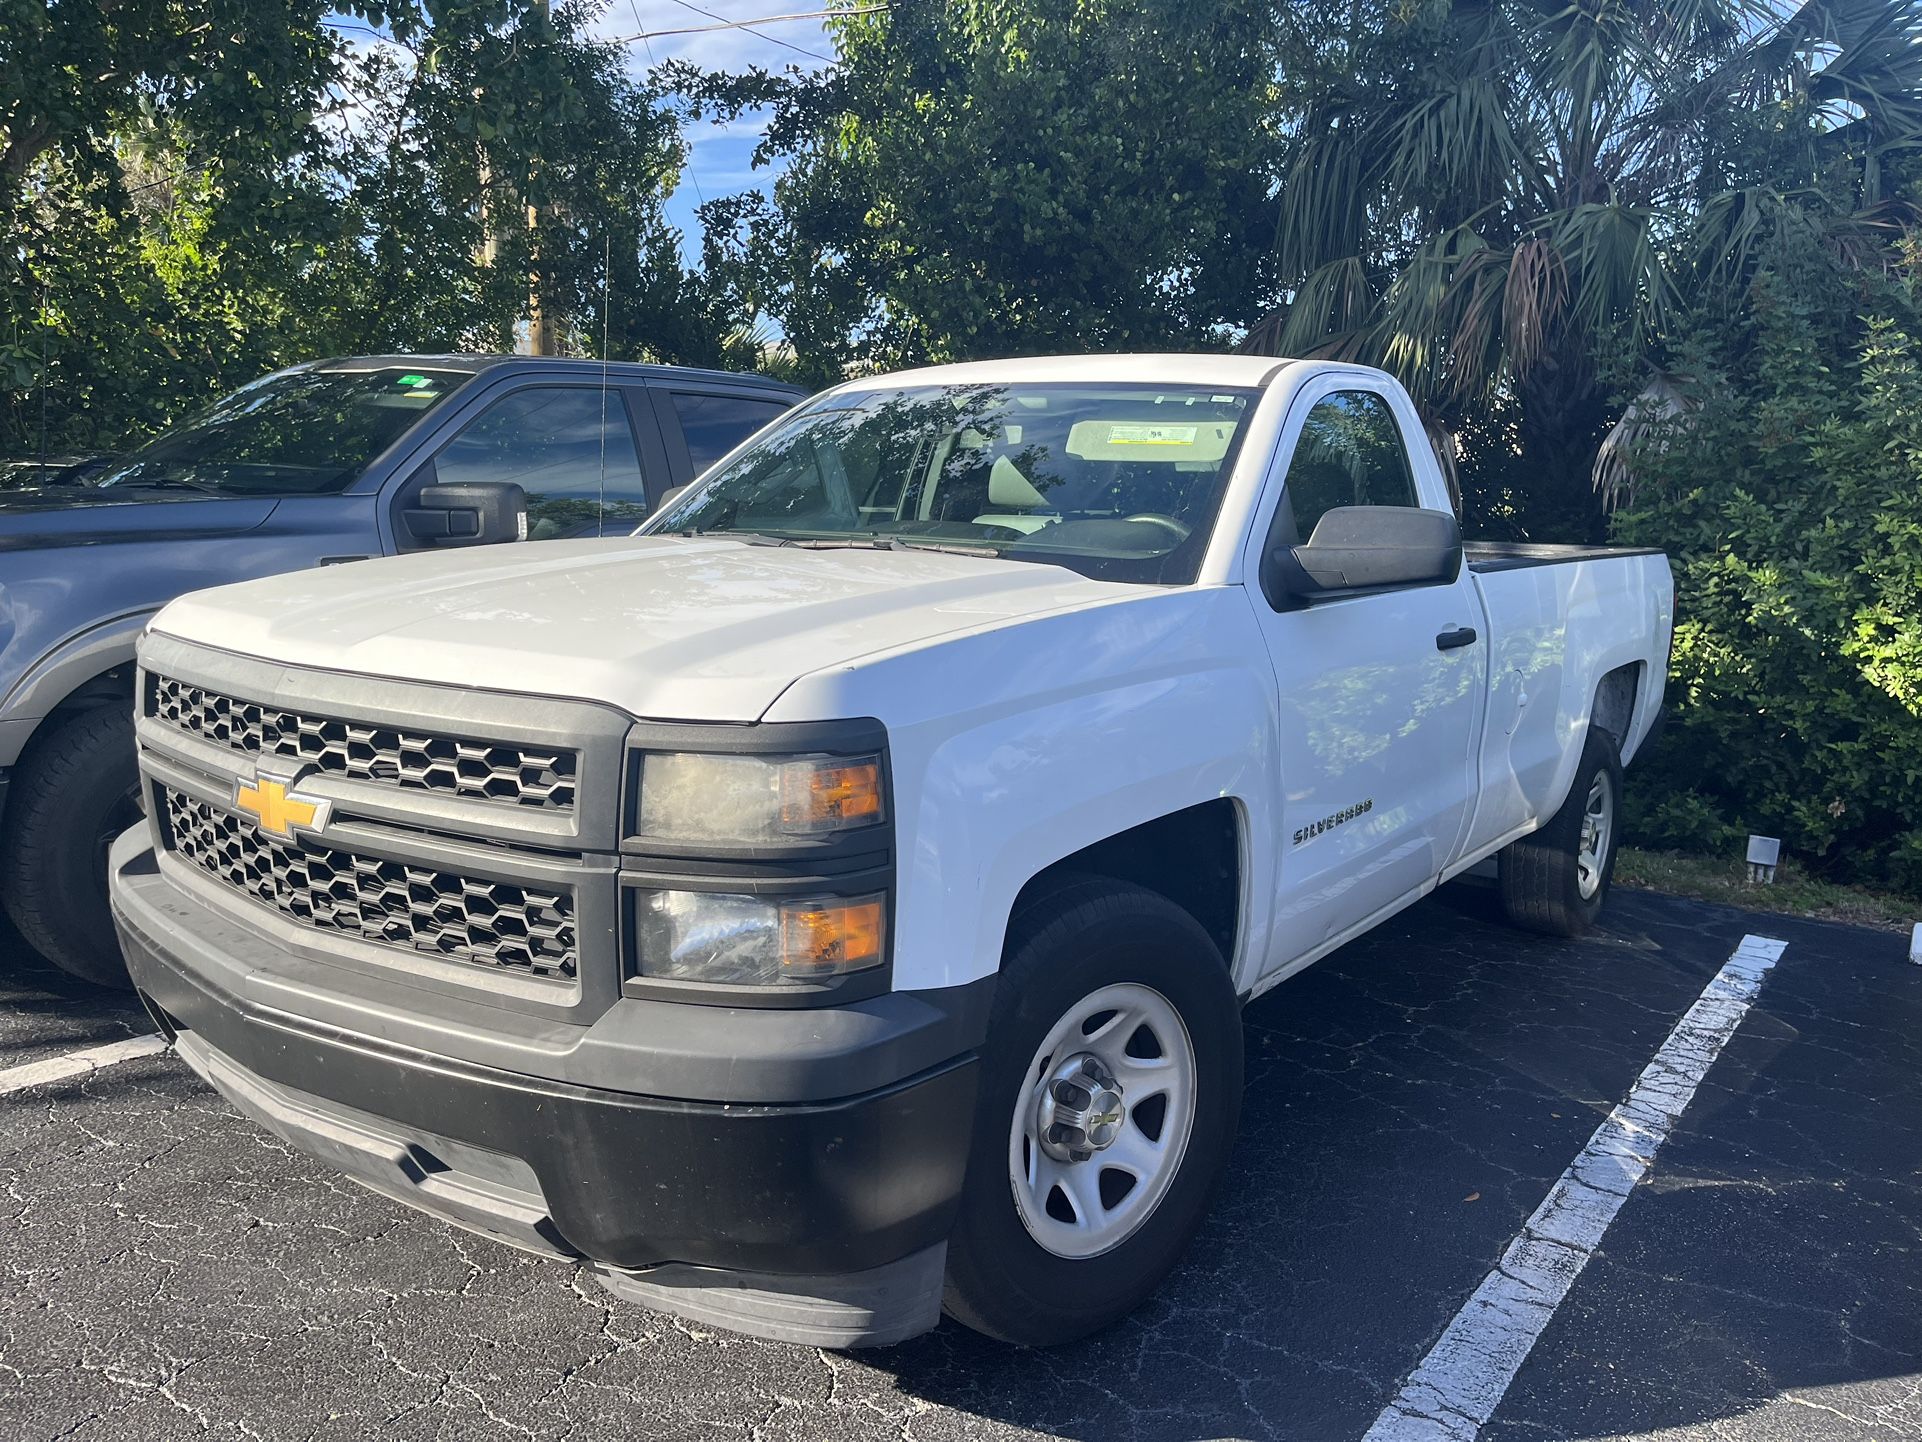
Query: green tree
{"x": 212, "y": 208}
{"x": 469, "y": 123}
{"x": 993, "y": 176}
{"x": 1480, "y": 193}
{"x": 1788, "y": 491}
{"x": 76, "y": 76}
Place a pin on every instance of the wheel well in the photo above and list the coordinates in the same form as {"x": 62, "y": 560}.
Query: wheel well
{"x": 1191, "y": 856}
{"x": 1614, "y": 709}
{"x": 114, "y": 686}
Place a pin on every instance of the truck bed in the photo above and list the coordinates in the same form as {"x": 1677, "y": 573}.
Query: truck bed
{"x": 1517, "y": 555}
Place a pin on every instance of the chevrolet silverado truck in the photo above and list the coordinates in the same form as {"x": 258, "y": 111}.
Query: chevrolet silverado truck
{"x": 322, "y": 463}
{"x": 834, "y": 904}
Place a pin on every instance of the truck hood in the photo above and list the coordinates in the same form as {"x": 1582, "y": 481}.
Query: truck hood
{"x": 665, "y": 627}
{"x": 84, "y": 516}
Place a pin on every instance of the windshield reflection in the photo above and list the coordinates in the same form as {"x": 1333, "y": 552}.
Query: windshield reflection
{"x": 1119, "y": 482}
{"x": 294, "y": 433}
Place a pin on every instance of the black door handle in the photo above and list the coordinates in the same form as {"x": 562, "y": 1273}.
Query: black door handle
{"x": 1460, "y": 636}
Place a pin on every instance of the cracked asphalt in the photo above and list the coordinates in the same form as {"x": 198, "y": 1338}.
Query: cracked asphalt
{"x": 170, "y": 1271}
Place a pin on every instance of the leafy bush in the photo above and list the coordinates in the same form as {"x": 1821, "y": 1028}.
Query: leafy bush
{"x": 1789, "y": 497}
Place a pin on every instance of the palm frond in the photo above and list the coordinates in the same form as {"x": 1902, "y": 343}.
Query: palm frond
{"x": 1458, "y": 142}
{"x": 1336, "y": 300}
{"x": 1647, "y": 421}
{"x": 1534, "y": 301}
{"x": 1324, "y": 198}
{"x": 1616, "y": 271}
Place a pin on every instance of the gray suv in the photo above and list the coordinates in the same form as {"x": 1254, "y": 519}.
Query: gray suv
{"x": 320, "y": 464}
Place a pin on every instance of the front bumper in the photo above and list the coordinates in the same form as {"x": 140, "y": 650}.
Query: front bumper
{"x": 822, "y": 1221}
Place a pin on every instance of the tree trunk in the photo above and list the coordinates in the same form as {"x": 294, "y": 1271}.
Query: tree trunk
{"x": 1564, "y": 417}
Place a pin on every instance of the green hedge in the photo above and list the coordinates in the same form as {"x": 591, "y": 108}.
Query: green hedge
{"x": 1790, "y": 499}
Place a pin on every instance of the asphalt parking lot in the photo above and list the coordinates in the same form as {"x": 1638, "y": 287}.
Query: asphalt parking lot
{"x": 170, "y": 1271}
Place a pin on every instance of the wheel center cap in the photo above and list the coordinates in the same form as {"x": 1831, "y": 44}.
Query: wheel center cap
{"x": 1080, "y": 1109}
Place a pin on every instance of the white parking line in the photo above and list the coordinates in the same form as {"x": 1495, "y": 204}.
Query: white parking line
{"x": 1457, "y": 1386}
{"x": 78, "y": 1063}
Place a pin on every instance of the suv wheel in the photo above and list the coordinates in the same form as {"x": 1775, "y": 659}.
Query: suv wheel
{"x": 1110, "y": 1091}
{"x": 78, "y": 789}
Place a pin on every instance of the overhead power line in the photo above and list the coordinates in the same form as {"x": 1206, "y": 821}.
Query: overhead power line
{"x": 750, "y": 24}
{"x": 771, "y": 39}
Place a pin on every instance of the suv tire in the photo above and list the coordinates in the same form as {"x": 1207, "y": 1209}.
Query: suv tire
{"x": 76, "y": 791}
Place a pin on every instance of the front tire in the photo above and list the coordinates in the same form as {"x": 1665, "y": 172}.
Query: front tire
{"x": 77, "y": 790}
{"x": 1110, "y": 1092}
{"x": 1555, "y": 880}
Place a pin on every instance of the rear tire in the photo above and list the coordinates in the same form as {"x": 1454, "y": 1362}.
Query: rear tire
{"x": 1555, "y": 880}
{"x": 76, "y": 791}
{"x": 1047, "y": 1249}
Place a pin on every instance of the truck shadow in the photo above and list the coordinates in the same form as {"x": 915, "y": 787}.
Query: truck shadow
{"x": 45, "y": 1011}
{"x": 1409, "y": 1102}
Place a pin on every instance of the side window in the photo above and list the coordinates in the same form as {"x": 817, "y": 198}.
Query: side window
{"x": 1350, "y": 454}
{"x": 715, "y": 425}
{"x": 570, "y": 447}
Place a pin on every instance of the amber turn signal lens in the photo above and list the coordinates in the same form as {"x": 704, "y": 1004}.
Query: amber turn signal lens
{"x": 830, "y": 795}
{"x": 828, "y": 937}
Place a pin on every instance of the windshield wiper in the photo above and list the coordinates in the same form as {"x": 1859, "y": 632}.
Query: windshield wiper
{"x": 751, "y": 538}
{"x": 165, "y": 483}
{"x": 803, "y": 543}
{"x": 946, "y": 548}
{"x": 857, "y": 541}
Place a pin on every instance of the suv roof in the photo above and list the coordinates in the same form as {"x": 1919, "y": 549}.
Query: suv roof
{"x": 625, "y": 370}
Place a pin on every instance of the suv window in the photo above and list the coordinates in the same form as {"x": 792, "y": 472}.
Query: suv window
{"x": 1350, "y": 454}
{"x": 715, "y": 425}
{"x": 570, "y": 447}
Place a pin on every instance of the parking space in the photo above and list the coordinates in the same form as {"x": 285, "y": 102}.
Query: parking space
{"x": 45, "y": 1014}
{"x": 171, "y": 1272}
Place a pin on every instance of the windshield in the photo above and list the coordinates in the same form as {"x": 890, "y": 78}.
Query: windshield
{"x": 1118, "y": 482}
{"x": 294, "y": 433}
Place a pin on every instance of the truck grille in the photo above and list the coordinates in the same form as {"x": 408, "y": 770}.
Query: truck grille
{"x": 437, "y": 912}
{"x": 526, "y": 776}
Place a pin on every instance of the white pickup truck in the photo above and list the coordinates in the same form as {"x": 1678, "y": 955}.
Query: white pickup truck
{"x": 835, "y": 904}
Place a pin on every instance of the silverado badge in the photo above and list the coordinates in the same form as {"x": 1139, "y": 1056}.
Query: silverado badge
{"x": 276, "y": 807}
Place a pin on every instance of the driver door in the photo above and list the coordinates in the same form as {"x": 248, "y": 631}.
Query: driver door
{"x": 1380, "y": 701}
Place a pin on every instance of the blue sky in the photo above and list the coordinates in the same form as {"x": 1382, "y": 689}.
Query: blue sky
{"x": 720, "y": 160}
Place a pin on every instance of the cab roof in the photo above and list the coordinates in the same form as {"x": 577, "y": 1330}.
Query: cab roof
{"x": 1175, "y": 368}
{"x": 623, "y": 370}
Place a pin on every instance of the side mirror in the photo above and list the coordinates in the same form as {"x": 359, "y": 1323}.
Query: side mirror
{"x": 467, "y": 513}
{"x": 671, "y": 495}
{"x": 1359, "y": 547}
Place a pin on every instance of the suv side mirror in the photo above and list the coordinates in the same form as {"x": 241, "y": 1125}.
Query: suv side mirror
{"x": 467, "y": 513}
{"x": 1359, "y": 547}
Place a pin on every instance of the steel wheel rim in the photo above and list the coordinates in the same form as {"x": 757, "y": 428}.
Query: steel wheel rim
{"x": 1083, "y": 1208}
{"x": 1598, "y": 822}
{"x": 122, "y": 816}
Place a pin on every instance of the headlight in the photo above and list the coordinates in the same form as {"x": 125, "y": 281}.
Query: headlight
{"x": 757, "y": 941}
{"x": 757, "y": 800}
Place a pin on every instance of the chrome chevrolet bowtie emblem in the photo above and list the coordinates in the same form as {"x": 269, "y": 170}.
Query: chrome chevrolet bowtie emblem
{"x": 277, "y": 808}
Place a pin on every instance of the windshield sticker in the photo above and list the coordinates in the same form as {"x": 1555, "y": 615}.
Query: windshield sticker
{"x": 1152, "y": 435}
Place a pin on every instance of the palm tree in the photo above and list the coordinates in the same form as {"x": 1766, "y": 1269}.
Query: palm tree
{"x": 1480, "y": 194}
